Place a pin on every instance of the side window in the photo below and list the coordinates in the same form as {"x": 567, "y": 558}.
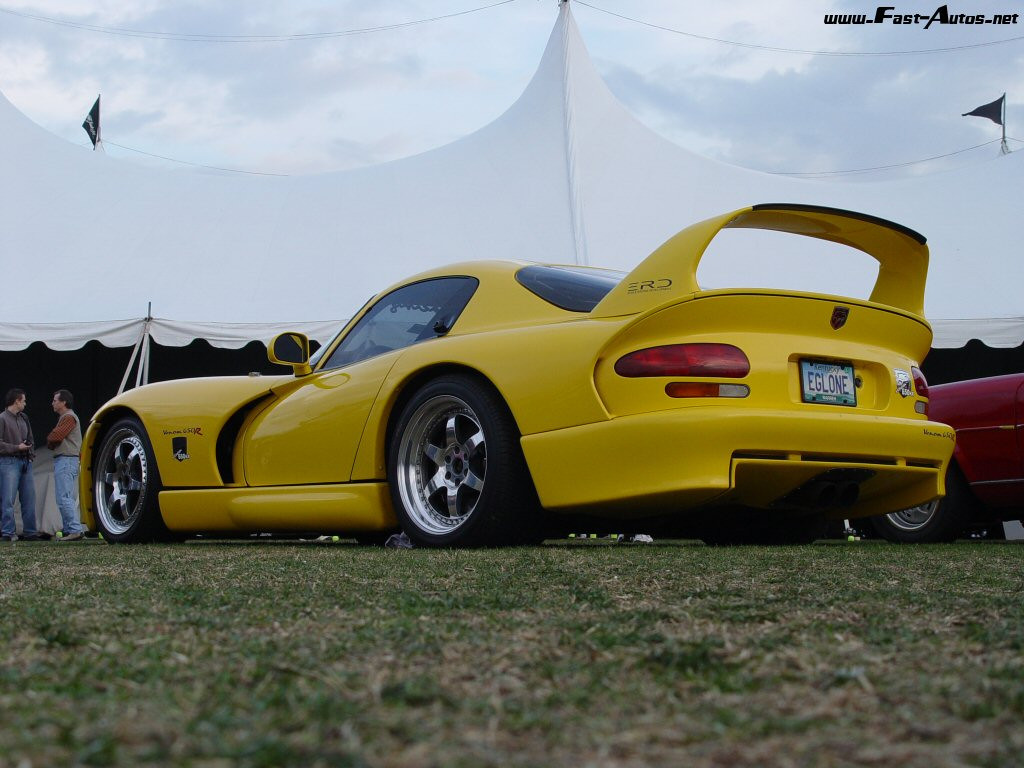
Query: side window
{"x": 578, "y": 289}
{"x": 407, "y": 315}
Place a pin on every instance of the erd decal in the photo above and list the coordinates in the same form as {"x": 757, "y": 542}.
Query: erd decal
{"x": 647, "y": 286}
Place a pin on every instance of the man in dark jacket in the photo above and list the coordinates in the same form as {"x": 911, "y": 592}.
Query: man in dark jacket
{"x": 16, "y": 454}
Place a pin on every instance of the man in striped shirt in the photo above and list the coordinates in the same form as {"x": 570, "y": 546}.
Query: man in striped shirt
{"x": 66, "y": 441}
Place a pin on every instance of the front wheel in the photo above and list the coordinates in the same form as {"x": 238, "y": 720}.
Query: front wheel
{"x": 126, "y": 483}
{"x": 456, "y": 470}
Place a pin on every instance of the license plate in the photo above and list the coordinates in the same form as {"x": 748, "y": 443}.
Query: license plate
{"x": 829, "y": 383}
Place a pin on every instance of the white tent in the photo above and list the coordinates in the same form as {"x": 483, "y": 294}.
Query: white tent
{"x": 567, "y": 174}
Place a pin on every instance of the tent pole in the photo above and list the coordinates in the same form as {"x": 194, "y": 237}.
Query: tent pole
{"x": 576, "y": 218}
{"x": 145, "y": 357}
{"x": 142, "y": 359}
{"x": 142, "y": 375}
{"x": 131, "y": 360}
{"x": 1004, "y": 149}
{"x": 145, "y": 362}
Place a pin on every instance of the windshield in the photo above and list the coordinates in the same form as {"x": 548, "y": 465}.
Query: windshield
{"x": 315, "y": 357}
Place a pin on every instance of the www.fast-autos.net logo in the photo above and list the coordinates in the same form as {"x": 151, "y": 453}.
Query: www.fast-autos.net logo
{"x": 885, "y": 14}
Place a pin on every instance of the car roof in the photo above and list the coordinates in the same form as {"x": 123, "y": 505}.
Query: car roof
{"x": 494, "y": 268}
{"x": 500, "y": 300}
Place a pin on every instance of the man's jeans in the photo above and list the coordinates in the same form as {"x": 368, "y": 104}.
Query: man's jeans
{"x": 16, "y": 481}
{"x": 65, "y": 481}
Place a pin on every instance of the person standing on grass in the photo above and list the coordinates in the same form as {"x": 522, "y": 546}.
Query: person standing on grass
{"x": 66, "y": 442}
{"x": 16, "y": 454}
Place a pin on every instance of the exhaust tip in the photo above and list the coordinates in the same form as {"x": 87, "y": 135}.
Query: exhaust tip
{"x": 831, "y": 489}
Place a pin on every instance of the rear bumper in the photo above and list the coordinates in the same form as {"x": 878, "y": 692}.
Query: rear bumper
{"x": 657, "y": 462}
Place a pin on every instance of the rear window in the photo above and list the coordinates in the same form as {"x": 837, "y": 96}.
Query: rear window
{"x": 575, "y": 289}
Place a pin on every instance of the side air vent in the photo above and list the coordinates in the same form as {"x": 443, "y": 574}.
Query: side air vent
{"x": 229, "y": 436}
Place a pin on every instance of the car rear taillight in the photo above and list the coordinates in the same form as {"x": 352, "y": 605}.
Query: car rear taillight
{"x": 720, "y": 360}
{"x": 921, "y": 386}
{"x": 920, "y": 382}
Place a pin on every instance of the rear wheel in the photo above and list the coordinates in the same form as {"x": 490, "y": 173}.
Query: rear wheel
{"x": 457, "y": 473}
{"x": 940, "y": 520}
{"x": 126, "y": 483}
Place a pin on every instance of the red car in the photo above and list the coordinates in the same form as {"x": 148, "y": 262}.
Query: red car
{"x": 985, "y": 480}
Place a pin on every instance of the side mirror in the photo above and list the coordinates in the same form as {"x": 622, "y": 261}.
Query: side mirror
{"x": 292, "y": 349}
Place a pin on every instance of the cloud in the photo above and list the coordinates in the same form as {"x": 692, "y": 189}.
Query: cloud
{"x": 341, "y": 102}
{"x": 831, "y": 113}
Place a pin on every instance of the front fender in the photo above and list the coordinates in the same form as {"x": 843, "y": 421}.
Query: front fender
{"x": 183, "y": 420}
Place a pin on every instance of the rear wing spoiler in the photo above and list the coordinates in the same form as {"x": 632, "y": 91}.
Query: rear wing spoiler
{"x": 670, "y": 273}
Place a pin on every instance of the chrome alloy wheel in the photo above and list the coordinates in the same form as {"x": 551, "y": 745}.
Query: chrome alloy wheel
{"x": 122, "y": 474}
{"x": 914, "y": 518}
{"x": 442, "y": 464}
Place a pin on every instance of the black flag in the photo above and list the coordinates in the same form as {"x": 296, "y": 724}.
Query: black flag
{"x": 993, "y": 111}
{"x": 92, "y": 122}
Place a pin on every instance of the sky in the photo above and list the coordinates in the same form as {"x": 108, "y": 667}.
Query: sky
{"x": 309, "y": 87}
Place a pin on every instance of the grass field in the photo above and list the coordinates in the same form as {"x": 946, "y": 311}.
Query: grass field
{"x": 289, "y": 653}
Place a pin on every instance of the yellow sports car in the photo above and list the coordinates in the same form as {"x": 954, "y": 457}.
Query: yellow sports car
{"x": 492, "y": 403}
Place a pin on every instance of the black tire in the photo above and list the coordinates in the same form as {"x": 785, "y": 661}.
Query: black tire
{"x": 456, "y": 469}
{"x": 941, "y": 520}
{"x": 126, "y": 486}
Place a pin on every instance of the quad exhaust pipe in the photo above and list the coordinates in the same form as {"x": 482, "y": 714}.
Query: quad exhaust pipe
{"x": 834, "y": 489}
